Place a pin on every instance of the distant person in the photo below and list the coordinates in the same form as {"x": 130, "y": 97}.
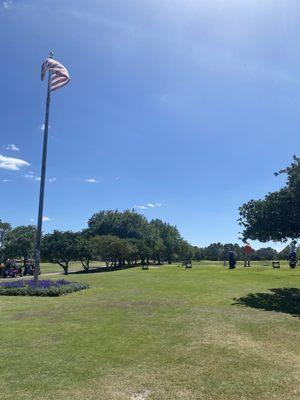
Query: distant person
{"x": 293, "y": 245}
{"x": 232, "y": 260}
{"x": 247, "y": 253}
{"x": 293, "y": 255}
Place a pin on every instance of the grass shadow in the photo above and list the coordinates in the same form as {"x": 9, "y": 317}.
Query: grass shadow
{"x": 285, "y": 300}
{"x": 96, "y": 270}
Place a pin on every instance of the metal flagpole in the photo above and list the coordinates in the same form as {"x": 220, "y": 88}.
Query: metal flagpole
{"x": 37, "y": 249}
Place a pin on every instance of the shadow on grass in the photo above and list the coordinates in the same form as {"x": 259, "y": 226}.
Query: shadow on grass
{"x": 96, "y": 270}
{"x": 285, "y": 300}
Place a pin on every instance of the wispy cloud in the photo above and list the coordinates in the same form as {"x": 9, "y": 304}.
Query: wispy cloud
{"x": 12, "y": 147}
{"x": 45, "y": 219}
{"x": 148, "y": 205}
{"x": 5, "y": 180}
{"x": 31, "y": 175}
{"x": 91, "y": 180}
{"x": 140, "y": 207}
{"x": 12, "y": 164}
{"x": 7, "y": 4}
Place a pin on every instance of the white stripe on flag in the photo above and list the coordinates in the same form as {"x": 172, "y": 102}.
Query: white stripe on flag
{"x": 59, "y": 74}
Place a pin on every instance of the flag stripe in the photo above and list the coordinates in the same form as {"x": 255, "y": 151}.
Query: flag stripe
{"x": 59, "y": 74}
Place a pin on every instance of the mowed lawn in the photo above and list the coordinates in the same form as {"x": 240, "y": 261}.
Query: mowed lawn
{"x": 167, "y": 333}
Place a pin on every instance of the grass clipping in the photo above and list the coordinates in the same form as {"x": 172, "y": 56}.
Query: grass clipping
{"x": 46, "y": 288}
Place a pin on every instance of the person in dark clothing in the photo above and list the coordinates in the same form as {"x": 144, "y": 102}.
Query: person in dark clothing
{"x": 293, "y": 259}
{"x": 232, "y": 261}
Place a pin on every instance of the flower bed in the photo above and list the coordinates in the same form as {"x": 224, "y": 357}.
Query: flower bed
{"x": 45, "y": 287}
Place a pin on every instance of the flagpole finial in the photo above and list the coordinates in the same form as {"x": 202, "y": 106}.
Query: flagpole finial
{"x": 51, "y": 54}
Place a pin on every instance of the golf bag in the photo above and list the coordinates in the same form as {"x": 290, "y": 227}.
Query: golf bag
{"x": 293, "y": 259}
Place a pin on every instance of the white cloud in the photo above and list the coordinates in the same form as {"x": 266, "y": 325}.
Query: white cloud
{"x": 29, "y": 175}
{"x": 140, "y": 207}
{"x": 7, "y": 4}
{"x": 12, "y": 147}
{"x": 91, "y": 180}
{"x": 12, "y": 164}
{"x": 5, "y": 180}
{"x": 148, "y": 205}
{"x": 42, "y": 127}
{"x": 45, "y": 219}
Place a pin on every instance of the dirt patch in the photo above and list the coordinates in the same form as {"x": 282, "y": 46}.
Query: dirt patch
{"x": 29, "y": 314}
{"x": 143, "y": 395}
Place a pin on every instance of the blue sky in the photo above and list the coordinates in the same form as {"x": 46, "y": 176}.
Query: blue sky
{"x": 184, "y": 108}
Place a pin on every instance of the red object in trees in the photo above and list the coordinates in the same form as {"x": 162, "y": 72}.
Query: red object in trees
{"x": 248, "y": 249}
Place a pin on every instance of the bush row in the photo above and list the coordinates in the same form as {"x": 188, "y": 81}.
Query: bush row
{"x": 46, "y": 288}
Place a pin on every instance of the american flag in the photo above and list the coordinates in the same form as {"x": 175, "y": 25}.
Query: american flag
{"x": 59, "y": 74}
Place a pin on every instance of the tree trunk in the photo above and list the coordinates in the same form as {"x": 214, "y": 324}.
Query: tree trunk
{"x": 65, "y": 266}
{"x": 85, "y": 264}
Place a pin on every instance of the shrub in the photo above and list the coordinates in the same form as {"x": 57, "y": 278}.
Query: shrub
{"x": 45, "y": 288}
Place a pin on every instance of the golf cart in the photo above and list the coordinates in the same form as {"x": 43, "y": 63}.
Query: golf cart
{"x": 29, "y": 267}
{"x": 12, "y": 269}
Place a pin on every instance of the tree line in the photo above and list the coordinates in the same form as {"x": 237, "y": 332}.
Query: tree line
{"x": 119, "y": 239}
{"x": 114, "y": 237}
{"x": 219, "y": 252}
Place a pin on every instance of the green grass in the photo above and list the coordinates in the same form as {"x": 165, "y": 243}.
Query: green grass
{"x": 174, "y": 332}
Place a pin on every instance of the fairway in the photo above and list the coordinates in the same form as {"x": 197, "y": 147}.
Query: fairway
{"x": 167, "y": 333}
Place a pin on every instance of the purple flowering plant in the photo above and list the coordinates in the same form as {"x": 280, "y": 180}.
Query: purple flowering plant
{"x": 45, "y": 287}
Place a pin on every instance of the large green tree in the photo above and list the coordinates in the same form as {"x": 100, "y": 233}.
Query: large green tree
{"x": 61, "y": 248}
{"x": 5, "y": 228}
{"x": 171, "y": 238}
{"x": 277, "y": 216}
{"x": 84, "y": 249}
{"x": 126, "y": 224}
{"x": 154, "y": 240}
{"x": 20, "y": 242}
{"x": 113, "y": 250}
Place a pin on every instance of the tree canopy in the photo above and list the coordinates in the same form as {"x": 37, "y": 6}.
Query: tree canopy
{"x": 5, "y": 228}
{"x": 277, "y": 216}
{"x": 155, "y": 239}
{"x": 61, "y": 248}
{"x": 20, "y": 242}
